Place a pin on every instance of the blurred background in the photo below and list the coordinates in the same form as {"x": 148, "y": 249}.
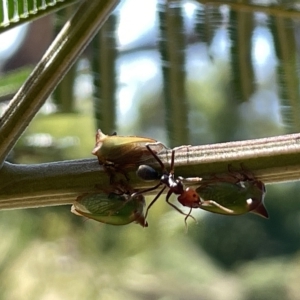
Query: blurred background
{"x": 184, "y": 72}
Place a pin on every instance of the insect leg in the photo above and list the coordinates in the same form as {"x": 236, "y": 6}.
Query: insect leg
{"x": 146, "y": 190}
{"x": 190, "y": 179}
{"x": 155, "y": 156}
{"x": 173, "y": 156}
{"x": 172, "y": 162}
{"x": 153, "y": 201}
{"x": 214, "y": 203}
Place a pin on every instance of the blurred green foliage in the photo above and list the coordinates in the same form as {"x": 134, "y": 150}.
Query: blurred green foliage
{"x": 48, "y": 253}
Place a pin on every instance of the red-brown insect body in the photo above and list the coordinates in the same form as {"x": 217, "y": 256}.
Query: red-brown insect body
{"x": 189, "y": 198}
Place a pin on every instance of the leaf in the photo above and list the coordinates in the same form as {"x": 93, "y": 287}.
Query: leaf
{"x": 11, "y": 82}
{"x": 17, "y": 12}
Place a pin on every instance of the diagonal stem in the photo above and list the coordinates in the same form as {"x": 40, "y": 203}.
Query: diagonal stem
{"x": 272, "y": 160}
{"x": 61, "y": 55}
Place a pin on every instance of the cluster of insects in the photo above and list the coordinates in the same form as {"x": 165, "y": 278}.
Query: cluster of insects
{"x": 234, "y": 193}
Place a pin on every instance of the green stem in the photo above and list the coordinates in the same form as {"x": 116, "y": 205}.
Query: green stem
{"x": 272, "y": 160}
{"x": 61, "y": 55}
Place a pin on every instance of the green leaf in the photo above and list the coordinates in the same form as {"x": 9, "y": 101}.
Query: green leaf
{"x": 16, "y": 12}
{"x": 11, "y": 82}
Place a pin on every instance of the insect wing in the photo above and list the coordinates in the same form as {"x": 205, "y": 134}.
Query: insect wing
{"x": 228, "y": 195}
{"x": 124, "y": 149}
{"x": 256, "y": 191}
{"x": 111, "y": 209}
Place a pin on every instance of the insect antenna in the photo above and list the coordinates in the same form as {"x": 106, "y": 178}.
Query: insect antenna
{"x": 185, "y": 219}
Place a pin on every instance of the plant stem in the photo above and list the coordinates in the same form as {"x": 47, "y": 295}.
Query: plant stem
{"x": 272, "y": 160}
{"x": 58, "y": 59}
